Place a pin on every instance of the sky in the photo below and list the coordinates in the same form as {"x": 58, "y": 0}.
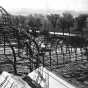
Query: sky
{"x": 76, "y": 5}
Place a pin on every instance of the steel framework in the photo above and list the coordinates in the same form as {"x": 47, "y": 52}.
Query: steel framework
{"x": 63, "y": 54}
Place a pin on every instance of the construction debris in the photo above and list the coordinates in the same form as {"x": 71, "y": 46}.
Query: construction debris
{"x": 47, "y": 79}
{"x": 8, "y": 80}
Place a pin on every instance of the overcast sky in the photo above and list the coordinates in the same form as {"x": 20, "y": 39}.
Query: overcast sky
{"x": 45, "y": 4}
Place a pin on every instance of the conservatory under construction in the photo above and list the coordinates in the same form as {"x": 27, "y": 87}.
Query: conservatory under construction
{"x": 26, "y": 61}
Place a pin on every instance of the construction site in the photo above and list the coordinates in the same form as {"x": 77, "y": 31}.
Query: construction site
{"x": 54, "y": 61}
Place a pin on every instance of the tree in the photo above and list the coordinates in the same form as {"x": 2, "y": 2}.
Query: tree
{"x": 45, "y": 30}
{"x": 53, "y": 19}
{"x": 66, "y": 22}
{"x": 81, "y": 23}
{"x": 69, "y": 21}
{"x": 35, "y": 24}
{"x": 22, "y": 21}
{"x": 15, "y": 21}
{"x": 62, "y": 24}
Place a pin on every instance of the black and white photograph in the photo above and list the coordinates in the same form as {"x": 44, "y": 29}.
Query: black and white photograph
{"x": 43, "y": 43}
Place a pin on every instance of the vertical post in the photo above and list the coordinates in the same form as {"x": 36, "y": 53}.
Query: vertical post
{"x": 37, "y": 60}
{"x": 22, "y": 52}
{"x": 43, "y": 60}
{"x": 81, "y": 49}
{"x": 56, "y": 54}
{"x": 30, "y": 59}
{"x": 63, "y": 59}
{"x": 30, "y": 66}
{"x": 4, "y": 45}
{"x": 50, "y": 56}
{"x": 70, "y": 53}
{"x": 76, "y": 53}
{"x": 61, "y": 49}
{"x": 15, "y": 69}
{"x": 18, "y": 47}
{"x": 66, "y": 48}
{"x": 71, "y": 49}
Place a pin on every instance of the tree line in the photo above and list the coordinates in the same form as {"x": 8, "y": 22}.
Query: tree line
{"x": 65, "y": 23}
